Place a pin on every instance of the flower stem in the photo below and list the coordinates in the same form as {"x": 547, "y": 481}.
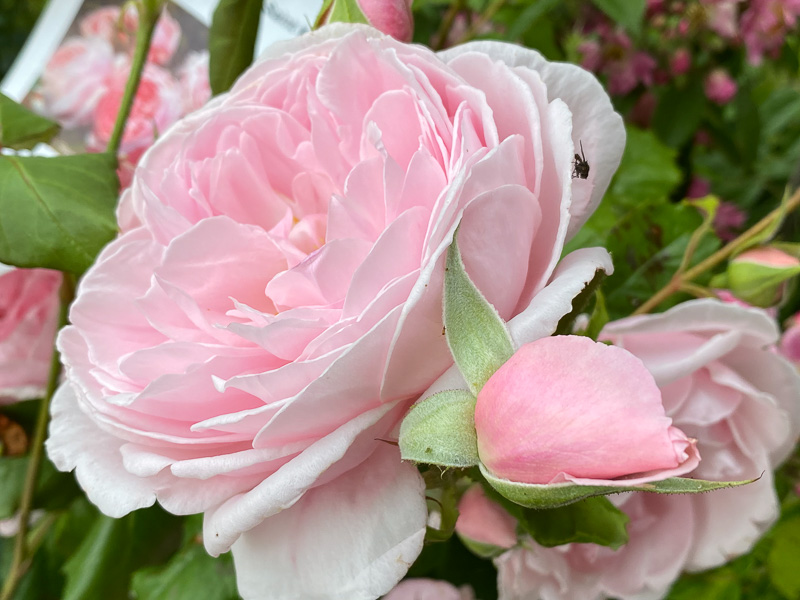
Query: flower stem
{"x": 21, "y": 560}
{"x": 148, "y": 17}
{"x": 680, "y": 280}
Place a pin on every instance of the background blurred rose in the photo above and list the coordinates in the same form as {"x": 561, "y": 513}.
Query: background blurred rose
{"x": 273, "y": 305}
{"x": 429, "y": 589}
{"x": 28, "y": 317}
{"x": 74, "y": 80}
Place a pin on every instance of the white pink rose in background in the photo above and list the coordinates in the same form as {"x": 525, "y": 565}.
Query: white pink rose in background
{"x": 429, "y": 589}
{"x": 724, "y": 385}
{"x": 273, "y": 305}
{"x": 790, "y": 342}
{"x": 83, "y": 84}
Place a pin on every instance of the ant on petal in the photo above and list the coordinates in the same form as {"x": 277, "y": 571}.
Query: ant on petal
{"x": 580, "y": 166}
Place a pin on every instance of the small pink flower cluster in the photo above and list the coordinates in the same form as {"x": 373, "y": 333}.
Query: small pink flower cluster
{"x": 82, "y": 86}
{"x": 683, "y": 30}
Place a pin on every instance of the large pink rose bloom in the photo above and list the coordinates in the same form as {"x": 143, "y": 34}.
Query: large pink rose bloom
{"x": 28, "y": 317}
{"x": 273, "y": 305}
{"x": 723, "y": 384}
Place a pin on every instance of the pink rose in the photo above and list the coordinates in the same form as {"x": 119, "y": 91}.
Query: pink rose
{"x": 193, "y": 76}
{"x": 722, "y": 384}
{"x": 28, "y": 318}
{"x": 119, "y": 29}
{"x": 274, "y": 303}
{"x": 157, "y": 105}
{"x": 567, "y": 408}
{"x": 429, "y": 589}
{"x": 74, "y": 80}
{"x": 166, "y": 36}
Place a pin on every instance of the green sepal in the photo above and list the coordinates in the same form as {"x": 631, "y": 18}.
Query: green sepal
{"x": 22, "y": 129}
{"x": 478, "y": 338}
{"x": 561, "y": 494}
{"x": 343, "y": 11}
{"x": 758, "y": 284}
{"x": 440, "y": 430}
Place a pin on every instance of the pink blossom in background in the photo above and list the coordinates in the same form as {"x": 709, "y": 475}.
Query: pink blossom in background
{"x": 698, "y": 187}
{"x": 569, "y": 409}
{"x": 680, "y": 62}
{"x": 729, "y": 221}
{"x": 28, "y": 318}
{"x": 790, "y": 341}
{"x": 273, "y": 304}
{"x": 764, "y": 26}
{"x": 722, "y": 17}
{"x": 157, "y": 105}
{"x": 74, "y": 80}
{"x": 429, "y": 589}
{"x": 193, "y": 77}
{"x": 119, "y": 29}
{"x": 720, "y": 86}
{"x": 723, "y": 385}
{"x": 614, "y": 56}
{"x": 484, "y": 521}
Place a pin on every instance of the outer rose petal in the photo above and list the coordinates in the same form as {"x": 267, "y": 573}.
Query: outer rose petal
{"x": 357, "y": 536}
{"x": 594, "y": 122}
{"x": 99, "y": 469}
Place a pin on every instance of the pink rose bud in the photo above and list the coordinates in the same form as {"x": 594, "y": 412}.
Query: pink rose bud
{"x": 392, "y": 17}
{"x": 759, "y": 276}
{"x": 720, "y": 86}
{"x": 566, "y": 408}
{"x": 483, "y": 521}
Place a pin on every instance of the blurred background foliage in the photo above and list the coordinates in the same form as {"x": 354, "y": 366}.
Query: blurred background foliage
{"x": 707, "y": 110}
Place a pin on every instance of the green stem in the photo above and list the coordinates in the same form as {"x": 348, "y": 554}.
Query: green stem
{"x": 148, "y": 17}
{"x": 19, "y": 561}
{"x": 681, "y": 279}
{"x": 697, "y": 291}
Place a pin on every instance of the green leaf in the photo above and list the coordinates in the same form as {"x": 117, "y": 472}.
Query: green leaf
{"x": 722, "y": 585}
{"x": 628, "y": 13}
{"x": 782, "y": 559}
{"x": 591, "y": 521}
{"x": 679, "y": 113}
{"x": 477, "y": 336}
{"x": 21, "y": 128}
{"x": 346, "y": 11}
{"x": 190, "y": 575}
{"x": 561, "y": 494}
{"x": 57, "y": 212}
{"x": 54, "y": 489}
{"x": 112, "y": 550}
{"x": 440, "y": 430}
{"x": 580, "y": 303}
{"x": 232, "y": 41}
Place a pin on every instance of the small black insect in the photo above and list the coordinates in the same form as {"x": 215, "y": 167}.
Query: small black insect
{"x": 580, "y": 166}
